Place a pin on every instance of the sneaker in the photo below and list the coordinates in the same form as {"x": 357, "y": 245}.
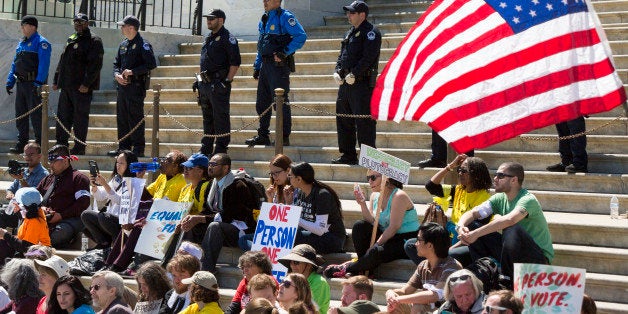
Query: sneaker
{"x": 336, "y": 270}
{"x": 128, "y": 273}
{"x": 258, "y": 140}
{"x": 574, "y": 169}
{"x": 432, "y": 163}
{"x": 343, "y": 160}
{"x": 559, "y": 167}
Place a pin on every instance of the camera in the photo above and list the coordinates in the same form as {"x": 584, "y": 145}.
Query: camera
{"x": 16, "y": 167}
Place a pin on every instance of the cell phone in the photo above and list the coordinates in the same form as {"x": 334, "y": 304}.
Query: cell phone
{"x": 93, "y": 169}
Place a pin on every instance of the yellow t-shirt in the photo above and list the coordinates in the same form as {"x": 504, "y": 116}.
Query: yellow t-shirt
{"x": 210, "y": 308}
{"x": 187, "y": 195}
{"x": 162, "y": 187}
{"x": 464, "y": 201}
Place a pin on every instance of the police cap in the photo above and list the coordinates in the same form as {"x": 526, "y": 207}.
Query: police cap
{"x": 81, "y": 17}
{"x": 130, "y": 20}
{"x": 30, "y": 20}
{"x": 357, "y": 6}
{"x": 216, "y": 14}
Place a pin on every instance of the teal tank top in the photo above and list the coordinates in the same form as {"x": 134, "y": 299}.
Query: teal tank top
{"x": 410, "y": 222}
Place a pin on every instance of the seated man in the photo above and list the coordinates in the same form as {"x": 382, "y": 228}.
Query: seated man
{"x": 107, "y": 291}
{"x": 356, "y": 288}
{"x": 464, "y": 293}
{"x": 181, "y": 266}
{"x": 425, "y": 287}
{"x": 525, "y": 235}
{"x": 65, "y": 196}
{"x": 233, "y": 203}
{"x": 502, "y": 302}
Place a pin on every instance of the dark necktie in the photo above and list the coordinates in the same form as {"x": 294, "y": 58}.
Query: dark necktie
{"x": 178, "y": 305}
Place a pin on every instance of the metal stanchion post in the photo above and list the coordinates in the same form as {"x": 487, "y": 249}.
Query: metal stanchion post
{"x": 279, "y": 99}
{"x": 45, "y": 95}
{"x": 154, "y": 150}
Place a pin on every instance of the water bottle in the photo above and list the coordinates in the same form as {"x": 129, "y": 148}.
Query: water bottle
{"x": 614, "y": 207}
{"x": 144, "y": 166}
{"x": 84, "y": 243}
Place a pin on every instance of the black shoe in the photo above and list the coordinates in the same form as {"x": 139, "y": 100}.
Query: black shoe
{"x": 432, "y": 163}
{"x": 113, "y": 153}
{"x": 18, "y": 149}
{"x": 574, "y": 169}
{"x": 559, "y": 167}
{"x": 286, "y": 141}
{"x": 258, "y": 140}
{"x": 77, "y": 151}
{"x": 345, "y": 161}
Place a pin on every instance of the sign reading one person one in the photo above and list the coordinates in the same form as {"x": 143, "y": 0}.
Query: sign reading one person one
{"x": 161, "y": 222}
{"x": 131, "y": 192}
{"x": 275, "y": 233}
{"x": 385, "y": 164}
{"x": 549, "y": 289}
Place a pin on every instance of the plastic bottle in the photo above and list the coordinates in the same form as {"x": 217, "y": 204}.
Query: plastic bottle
{"x": 84, "y": 243}
{"x": 614, "y": 207}
{"x": 144, "y": 166}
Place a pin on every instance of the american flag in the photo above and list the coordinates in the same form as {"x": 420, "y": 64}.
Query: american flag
{"x": 481, "y": 72}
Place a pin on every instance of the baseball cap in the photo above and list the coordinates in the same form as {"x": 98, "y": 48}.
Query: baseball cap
{"x": 30, "y": 20}
{"x": 130, "y": 20}
{"x": 359, "y": 307}
{"x": 204, "y": 279}
{"x": 196, "y": 160}
{"x": 81, "y": 17}
{"x": 55, "y": 263}
{"x": 28, "y": 196}
{"x": 357, "y": 6}
{"x": 216, "y": 13}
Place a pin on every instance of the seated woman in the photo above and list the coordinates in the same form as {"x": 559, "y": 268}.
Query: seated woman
{"x": 204, "y": 293}
{"x": 20, "y": 277}
{"x": 295, "y": 288}
{"x": 304, "y": 260}
{"x": 321, "y": 224}
{"x": 32, "y": 231}
{"x": 153, "y": 283}
{"x": 69, "y": 296}
{"x": 103, "y": 226}
{"x": 251, "y": 263}
{"x": 472, "y": 190}
{"x": 398, "y": 222}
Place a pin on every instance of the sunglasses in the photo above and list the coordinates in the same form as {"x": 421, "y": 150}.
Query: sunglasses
{"x": 372, "y": 177}
{"x": 491, "y": 308}
{"x": 94, "y": 287}
{"x": 463, "y": 278}
{"x": 501, "y": 175}
{"x": 462, "y": 170}
{"x": 286, "y": 283}
{"x": 214, "y": 164}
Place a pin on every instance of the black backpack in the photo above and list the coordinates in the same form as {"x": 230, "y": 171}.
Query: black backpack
{"x": 256, "y": 188}
{"x": 487, "y": 271}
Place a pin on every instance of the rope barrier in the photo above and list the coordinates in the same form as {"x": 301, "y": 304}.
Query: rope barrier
{"x": 22, "y": 116}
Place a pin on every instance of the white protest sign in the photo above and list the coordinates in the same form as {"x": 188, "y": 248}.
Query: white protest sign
{"x": 131, "y": 192}
{"x": 162, "y": 219}
{"x": 275, "y": 233}
{"x": 147, "y": 307}
{"x": 386, "y": 164}
{"x": 549, "y": 289}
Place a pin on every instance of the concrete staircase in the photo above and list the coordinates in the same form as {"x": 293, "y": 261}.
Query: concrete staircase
{"x": 576, "y": 206}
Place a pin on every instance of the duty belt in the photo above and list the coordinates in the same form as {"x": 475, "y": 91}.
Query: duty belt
{"x": 29, "y": 77}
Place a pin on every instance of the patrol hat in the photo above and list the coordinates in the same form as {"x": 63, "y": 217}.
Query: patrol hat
{"x": 217, "y": 14}
{"x": 81, "y": 17}
{"x": 30, "y": 20}
{"x": 130, "y": 20}
{"x": 357, "y": 6}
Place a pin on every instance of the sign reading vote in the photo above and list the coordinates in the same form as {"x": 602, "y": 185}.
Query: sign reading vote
{"x": 276, "y": 230}
{"x": 549, "y": 289}
{"x": 385, "y": 164}
{"x": 162, "y": 220}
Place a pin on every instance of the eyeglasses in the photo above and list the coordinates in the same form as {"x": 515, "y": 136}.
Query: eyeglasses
{"x": 501, "y": 175}
{"x": 462, "y": 170}
{"x": 491, "y": 308}
{"x": 29, "y": 155}
{"x": 419, "y": 240}
{"x": 286, "y": 283}
{"x": 453, "y": 280}
{"x": 214, "y": 164}
{"x": 275, "y": 173}
{"x": 94, "y": 287}
{"x": 372, "y": 177}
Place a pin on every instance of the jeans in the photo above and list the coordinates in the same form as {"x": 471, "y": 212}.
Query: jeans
{"x": 64, "y": 232}
{"x": 102, "y": 227}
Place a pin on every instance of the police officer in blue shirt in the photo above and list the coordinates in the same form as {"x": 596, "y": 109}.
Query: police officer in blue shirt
{"x": 131, "y": 70}
{"x": 280, "y": 35}
{"x": 356, "y": 73}
{"x": 30, "y": 70}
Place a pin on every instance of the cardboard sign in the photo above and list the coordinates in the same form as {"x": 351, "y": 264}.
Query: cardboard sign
{"x": 549, "y": 289}
{"x": 131, "y": 192}
{"x": 385, "y": 164}
{"x": 162, "y": 219}
{"x": 275, "y": 233}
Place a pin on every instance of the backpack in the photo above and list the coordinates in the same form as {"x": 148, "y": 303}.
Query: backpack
{"x": 256, "y": 188}
{"x": 435, "y": 213}
{"x": 487, "y": 271}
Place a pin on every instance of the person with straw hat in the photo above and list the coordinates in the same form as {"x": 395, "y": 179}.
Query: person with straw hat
{"x": 304, "y": 260}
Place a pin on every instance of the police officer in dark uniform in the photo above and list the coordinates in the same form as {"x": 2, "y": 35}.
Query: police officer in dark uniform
{"x": 220, "y": 60}
{"x": 30, "y": 70}
{"x": 280, "y": 35}
{"x": 356, "y": 73}
{"x": 77, "y": 75}
{"x": 131, "y": 69}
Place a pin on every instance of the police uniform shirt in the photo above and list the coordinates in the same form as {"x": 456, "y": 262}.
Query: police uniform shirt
{"x": 32, "y": 60}
{"x": 278, "y": 22}
{"x": 220, "y": 51}
{"x": 136, "y": 55}
{"x": 81, "y": 62}
{"x": 360, "y": 50}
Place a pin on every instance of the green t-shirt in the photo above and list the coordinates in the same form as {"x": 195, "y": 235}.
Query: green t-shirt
{"x": 321, "y": 293}
{"x": 534, "y": 224}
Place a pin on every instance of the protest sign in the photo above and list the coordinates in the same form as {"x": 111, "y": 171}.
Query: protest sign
{"x": 549, "y": 289}
{"x": 161, "y": 222}
{"x": 148, "y": 307}
{"x": 385, "y": 164}
{"x": 276, "y": 230}
{"x": 131, "y": 192}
